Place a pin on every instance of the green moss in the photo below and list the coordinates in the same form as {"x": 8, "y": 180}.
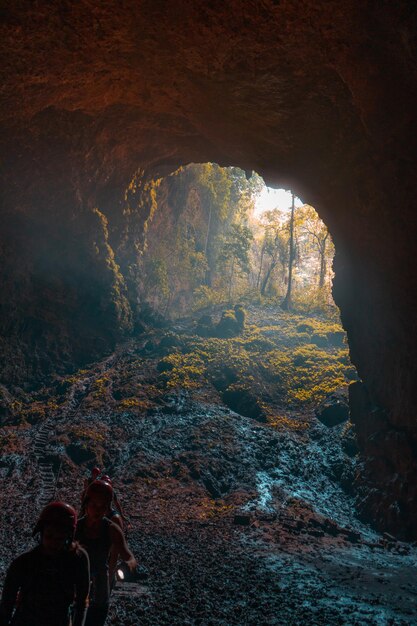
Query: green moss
{"x": 186, "y": 370}
{"x": 307, "y": 374}
{"x": 277, "y": 362}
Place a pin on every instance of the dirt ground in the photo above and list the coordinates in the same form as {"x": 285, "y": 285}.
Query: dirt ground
{"x": 236, "y": 521}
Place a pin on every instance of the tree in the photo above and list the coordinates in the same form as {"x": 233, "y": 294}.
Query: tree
{"x": 273, "y": 249}
{"x": 235, "y": 251}
{"x": 319, "y": 237}
{"x": 199, "y": 234}
{"x": 287, "y": 302}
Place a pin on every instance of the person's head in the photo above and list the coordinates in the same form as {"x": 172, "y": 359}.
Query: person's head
{"x": 98, "y": 499}
{"x": 95, "y": 473}
{"x": 56, "y": 525}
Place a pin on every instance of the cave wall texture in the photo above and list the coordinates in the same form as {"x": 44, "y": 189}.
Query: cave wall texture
{"x": 315, "y": 95}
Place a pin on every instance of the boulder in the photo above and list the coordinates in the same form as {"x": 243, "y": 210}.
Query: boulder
{"x": 164, "y": 366}
{"x": 332, "y": 412}
{"x": 337, "y": 338}
{"x": 244, "y": 402}
{"x": 169, "y": 341}
{"x": 242, "y": 519}
{"x": 320, "y": 341}
{"x": 79, "y": 454}
{"x": 349, "y": 440}
{"x": 228, "y": 326}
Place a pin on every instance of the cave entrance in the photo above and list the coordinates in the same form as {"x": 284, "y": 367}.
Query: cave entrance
{"x": 219, "y": 235}
{"x": 219, "y": 249}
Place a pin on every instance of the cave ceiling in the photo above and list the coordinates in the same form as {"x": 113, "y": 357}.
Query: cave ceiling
{"x": 266, "y": 85}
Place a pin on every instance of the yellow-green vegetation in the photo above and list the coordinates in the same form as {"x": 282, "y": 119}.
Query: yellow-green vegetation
{"x": 139, "y": 404}
{"x": 199, "y": 252}
{"x": 99, "y": 387}
{"x": 184, "y": 370}
{"x": 24, "y": 413}
{"x": 76, "y": 378}
{"x": 209, "y": 508}
{"x": 113, "y": 300}
{"x": 204, "y": 296}
{"x": 88, "y": 433}
{"x": 90, "y": 438}
{"x": 281, "y": 421}
{"x": 16, "y": 406}
{"x": 307, "y": 373}
{"x": 71, "y": 379}
{"x": 295, "y": 361}
{"x": 39, "y": 410}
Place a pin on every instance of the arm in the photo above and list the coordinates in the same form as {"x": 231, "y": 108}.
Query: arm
{"x": 10, "y": 591}
{"x": 117, "y": 519}
{"x": 82, "y": 587}
{"x": 113, "y": 558}
{"x": 120, "y": 546}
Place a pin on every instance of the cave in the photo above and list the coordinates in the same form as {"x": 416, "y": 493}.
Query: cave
{"x": 101, "y": 100}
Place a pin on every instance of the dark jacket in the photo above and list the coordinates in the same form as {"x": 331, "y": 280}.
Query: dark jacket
{"x": 43, "y": 588}
{"x": 98, "y": 550}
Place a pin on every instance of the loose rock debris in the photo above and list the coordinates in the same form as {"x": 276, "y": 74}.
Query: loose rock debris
{"x": 236, "y": 522}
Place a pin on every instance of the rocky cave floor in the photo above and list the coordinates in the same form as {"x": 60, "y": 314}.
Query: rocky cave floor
{"x": 237, "y": 521}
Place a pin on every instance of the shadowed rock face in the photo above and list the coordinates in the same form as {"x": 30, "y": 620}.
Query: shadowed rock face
{"x": 316, "y": 96}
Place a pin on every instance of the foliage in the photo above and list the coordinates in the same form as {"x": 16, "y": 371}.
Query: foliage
{"x": 99, "y": 387}
{"x": 307, "y": 374}
{"x": 186, "y": 370}
{"x": 13, "y": 439}
{"x": 205, "y": 296}
{"x": 278, "y": 358}
{"x": 90, "y": 433}
{"x": 137, "y": 404}
{"x": 195, "y": 244}
{"x": 111, "y": 288}
{"x": 198, "y": 240}
{"x": 313, "y": 252}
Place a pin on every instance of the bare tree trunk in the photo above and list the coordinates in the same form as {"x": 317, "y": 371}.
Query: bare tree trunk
{"x": 323, "y": 264}
{"x": 168, "y": 304}
{"x": 208, "y": 271}
{"x": 260, "y": 266}
{"x": 231, "y": 280}
{"x": 267, "y": 277}
{"x": 287, "y": 302}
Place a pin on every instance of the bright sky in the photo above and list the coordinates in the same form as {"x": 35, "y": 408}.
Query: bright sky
{"x": 274, "y": 198}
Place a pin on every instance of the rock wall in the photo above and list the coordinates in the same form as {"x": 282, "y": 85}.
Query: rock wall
{"x": 316, "y": 95}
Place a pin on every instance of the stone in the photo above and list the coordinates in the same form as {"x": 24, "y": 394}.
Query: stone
{"x": 149, "y": 346}
{"x": 164, "y": 366}
{"x": 79, "y": 454}
{"x": 349, "y": 440}
{"x": 331, "y": 413}
{"x": 212, "y": 487}
{"x": 228, "y": 326}
{"x": 336, "y": 339}
{"x": 244, "y": 402}
{"x": 242, "y": 519}
{"x": 320, "y": 341}
{"x": 169, "y": 341}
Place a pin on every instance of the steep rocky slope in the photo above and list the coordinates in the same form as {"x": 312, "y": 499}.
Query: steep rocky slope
{"x": 316, "y": 96}
{"x": 238, "y": 521}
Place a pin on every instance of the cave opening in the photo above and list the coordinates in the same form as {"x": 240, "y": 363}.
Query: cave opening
{"x": 232, "y": 235}
{"x": 215, "y": 440}
{"x": 213, "y": 268}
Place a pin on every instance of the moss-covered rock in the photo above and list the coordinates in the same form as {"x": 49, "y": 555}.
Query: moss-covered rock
{"x": 228, "y": 326}
{"x": 242, "y": 400}
{"x": 332, "y": 412}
